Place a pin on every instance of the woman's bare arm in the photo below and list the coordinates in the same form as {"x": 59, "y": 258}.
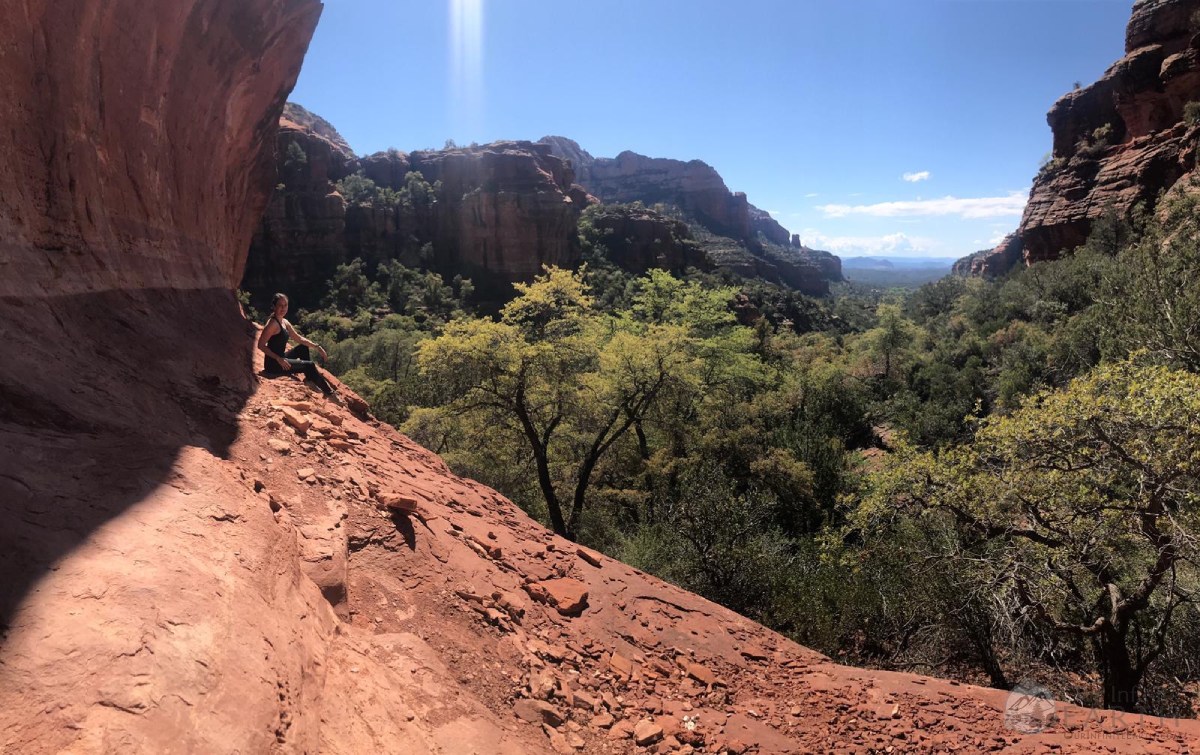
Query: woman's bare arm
{"x": 271, "y": 328}
{"x": 310, "y": 344}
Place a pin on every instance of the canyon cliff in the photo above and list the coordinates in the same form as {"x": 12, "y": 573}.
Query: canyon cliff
{"x": 1118, "y": 143}
{"x": 497, "y": 213}
{"x": 735, "y": 234}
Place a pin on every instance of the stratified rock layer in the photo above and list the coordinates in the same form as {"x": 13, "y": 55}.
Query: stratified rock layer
{"x": 637, "y": 239}
{"x": 197, "y": 559}
{"x": 499, "y": 213}
{"x": 506, "y": 208}
{"x": 1118, "y": 143}
{"x": 746, "y": 240}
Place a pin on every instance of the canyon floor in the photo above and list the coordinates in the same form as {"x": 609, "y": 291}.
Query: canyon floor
{"x": 317, "y": 582}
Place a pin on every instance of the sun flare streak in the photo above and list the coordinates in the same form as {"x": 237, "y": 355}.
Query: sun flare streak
{"x": 466, "y": 64}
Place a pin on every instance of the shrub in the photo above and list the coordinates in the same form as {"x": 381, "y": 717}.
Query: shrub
{"x": 1051, "y": 165}
{"x": 295, "y": 156}
{"x": 359, "y": 190}
{"x": 1191, "y": 113}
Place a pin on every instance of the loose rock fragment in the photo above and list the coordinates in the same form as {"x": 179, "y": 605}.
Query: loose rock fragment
{"x": 397, "y": 502}
{"x": 568, "y": 595}
{"x": 538, "y": 712}
{"x": 700, "y": 673}
{"x": 647, "y": 732}
{"x": 588, "y": 556}
{"x": 297, "y": 420}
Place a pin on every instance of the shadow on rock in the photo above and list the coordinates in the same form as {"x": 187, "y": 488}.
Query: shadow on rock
{"x": 404, "y": 525}
{"x": 98, "y": 393}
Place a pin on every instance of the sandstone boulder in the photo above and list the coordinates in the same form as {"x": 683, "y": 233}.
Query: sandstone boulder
{"x": 568, "y": 596}
{"x": 537, "y": 712}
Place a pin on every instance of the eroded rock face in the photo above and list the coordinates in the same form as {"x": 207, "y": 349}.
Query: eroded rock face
{"x": 1119, "y": 142}
{"x": 136, "y": 139}
{"x": 501, "y": 212}
{"x": 639, "y": 239}
{"x": 166, "y": 512}
{"x": 137, "y": 142}
{"x": 990, "y": 263}
{"x": 762, "y": 222}
{"x": 748, "y": 241}
{"x": 302, "y": 237}
{"x": 504, "y": 209}
{"x": 692, "y": 186}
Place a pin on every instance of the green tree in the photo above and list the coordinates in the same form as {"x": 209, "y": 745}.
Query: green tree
{"x": 1081, "y": 507}
{"x": 351, "y": 290}
{"x": 296, "y": 156}
{"x": 1154, "y": 293}
{"x": 557, "y": 377}
{"x": 889, "y": 339}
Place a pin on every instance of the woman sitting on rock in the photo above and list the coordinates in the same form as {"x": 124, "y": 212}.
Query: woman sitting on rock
{"x": 273, "y": 342}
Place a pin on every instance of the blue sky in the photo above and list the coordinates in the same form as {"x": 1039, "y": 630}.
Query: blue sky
{"x": 902, "y": 127}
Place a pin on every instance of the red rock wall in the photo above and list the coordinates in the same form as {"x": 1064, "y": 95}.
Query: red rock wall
{"x": 751, "y": 243}
{"x": 1119, "y": 142}
{"x": 638, "y": 240}
{"x": 762, "y": 222}
{"x": 302, "y": 236}
{"x": 693, "y": 186}
{"x": 136, "y": 141}
{"x": 137, "y": 138}
{"x": 504, "y": 210}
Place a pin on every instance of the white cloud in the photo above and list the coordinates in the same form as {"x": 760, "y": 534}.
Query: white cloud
{"x": 894, "y": 244}
{"x": 980, "y": 207}
{"x": 810, "y": 196}
{"x": 912, "y": 178}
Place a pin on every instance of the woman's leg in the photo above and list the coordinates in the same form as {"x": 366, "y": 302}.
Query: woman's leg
{"x": 310, "y": 372}
{"x": 300, "y": 359}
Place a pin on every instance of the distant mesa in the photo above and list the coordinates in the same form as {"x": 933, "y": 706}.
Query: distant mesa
{"x": 867, "y": 263}
{"x": 734, "y": 233}
{"x": 498, "y": 212}
{"x": 1118, "y": 143}
{"x": 895, "y": 272}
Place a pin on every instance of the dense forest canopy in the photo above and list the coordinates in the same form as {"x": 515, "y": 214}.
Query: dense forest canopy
{"x": 974, "y": 478}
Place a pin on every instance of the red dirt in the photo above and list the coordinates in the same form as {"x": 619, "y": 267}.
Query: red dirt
{"x": 193, "y": 620}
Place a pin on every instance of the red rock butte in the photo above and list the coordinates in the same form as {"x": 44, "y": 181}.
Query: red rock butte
{"x": 199, "y": 560}
{"x": 1118, "y": 143}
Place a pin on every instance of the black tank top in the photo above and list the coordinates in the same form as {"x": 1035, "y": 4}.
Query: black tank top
{"x": 278, "y": 345}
